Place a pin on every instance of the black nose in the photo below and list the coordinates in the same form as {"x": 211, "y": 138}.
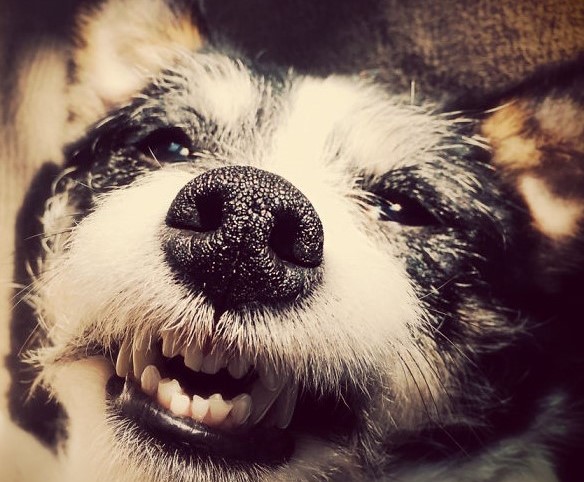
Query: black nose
{"x": 245, "y": 235}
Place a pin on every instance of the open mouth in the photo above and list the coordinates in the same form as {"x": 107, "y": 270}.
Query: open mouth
{"x": 204, "y": 402}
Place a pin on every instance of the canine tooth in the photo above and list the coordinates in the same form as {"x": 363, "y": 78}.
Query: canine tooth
{"x": 269, "y": 378}
{"x": 150, "y": 380}
{"x": 238, "y": 367}
{"x": 262, "y": 400}
{"x": 199, "y": 408}
{"x": 170, "y": 345}
{"x": 193, "y": 357}
{"x": 166, "y": 389}
{"x": 218, "y": 410}
{"x": 284, "y": 407}
{"x": 124, "y": 361}
{"x": 241, "y": 409}
{"x": 142, "y": 356}
{"x": 180, "y": 404}
{"x": 212, "y": 363}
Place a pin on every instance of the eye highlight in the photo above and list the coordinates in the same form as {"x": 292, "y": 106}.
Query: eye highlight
{"x": 168, "y": 144}
{"x": 399, "y": 197}
{"x": 397, "y": 208}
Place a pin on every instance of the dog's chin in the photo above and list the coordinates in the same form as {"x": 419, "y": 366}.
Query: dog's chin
{"x": 112, "y": 419}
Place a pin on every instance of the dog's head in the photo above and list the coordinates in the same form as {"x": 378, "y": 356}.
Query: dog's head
{"x": 244, "y": 273}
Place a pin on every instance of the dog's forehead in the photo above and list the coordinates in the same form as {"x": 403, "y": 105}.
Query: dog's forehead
{"x": 220, "y": 90}
{"x": 308, "y": 118}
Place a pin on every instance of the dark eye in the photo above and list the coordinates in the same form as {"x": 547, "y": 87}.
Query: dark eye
{"x": 166, "y": 145}
{"x": 403, "y": 210}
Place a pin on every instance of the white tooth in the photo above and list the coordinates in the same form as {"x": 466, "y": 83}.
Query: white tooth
{"x": 269, "y": 378}
{"x": 262, "y": 400}
{"x": 124, "y": 361}
{"x": 150, "y": 380}
{"x": 166, "y": 389}
{"x": 218, "y": 410}
{"x": 212, "y": 363}
{"x": 170, "y": 345}
{"x": 238, "y": 367}
{"x": 193, "y": 356}
{"x": 284, "y": 406}
{"x": 199, "y": 408}
{"x": 241, "y": 409}
{"x": 180, "y": 405}
{"x": 142, "y": 356}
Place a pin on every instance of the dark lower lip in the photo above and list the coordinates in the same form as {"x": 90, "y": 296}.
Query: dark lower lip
{"x": 258, "y": 445}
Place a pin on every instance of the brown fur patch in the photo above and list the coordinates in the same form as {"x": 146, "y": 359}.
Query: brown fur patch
{"x": 538, "y": 145}
{"x": 513, "y": 145}
{"x": 119, "y": 44}
{"x": 513, "y": 148}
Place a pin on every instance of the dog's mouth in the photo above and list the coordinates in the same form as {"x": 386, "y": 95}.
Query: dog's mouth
{"x": 203, "y": 402}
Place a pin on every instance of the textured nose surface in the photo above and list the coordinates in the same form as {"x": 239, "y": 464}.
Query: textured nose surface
{"x": 245, "y": 235}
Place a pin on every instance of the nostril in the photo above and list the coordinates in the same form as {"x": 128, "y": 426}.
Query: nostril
{"x": 283, "y": 238}
{"x": 296, "y": 237}
{"x": 210, "y": 207}
{"x": 202, "y": 214}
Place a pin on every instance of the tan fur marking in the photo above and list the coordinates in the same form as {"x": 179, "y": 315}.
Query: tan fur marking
{"x": 120, "y": 45}
{"x": 505, "y": 129}
{"x": 553, "y": 216}
{"x": 517, "y": 153}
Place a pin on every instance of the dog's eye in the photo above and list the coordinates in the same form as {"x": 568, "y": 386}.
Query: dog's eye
{"x": 403, "y": 210}
{"x": 166, "y": 145}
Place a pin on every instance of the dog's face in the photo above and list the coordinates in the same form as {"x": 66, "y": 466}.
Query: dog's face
{"x": 246, "y": 273}
{"x": 297, "y": 240}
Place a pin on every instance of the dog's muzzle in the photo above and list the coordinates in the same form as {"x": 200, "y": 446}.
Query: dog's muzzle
{"x": 241, "y": 234}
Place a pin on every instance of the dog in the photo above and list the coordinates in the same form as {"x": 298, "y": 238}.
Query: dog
{"x": 241, "y": 272}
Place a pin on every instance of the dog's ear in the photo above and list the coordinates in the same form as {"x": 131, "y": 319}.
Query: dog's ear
{"x": 537, "y": 140}
{"x": 118, "y": 44}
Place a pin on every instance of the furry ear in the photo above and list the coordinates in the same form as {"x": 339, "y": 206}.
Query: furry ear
{"x": 118, "y": 44}
{"x": 537, "y": 139}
